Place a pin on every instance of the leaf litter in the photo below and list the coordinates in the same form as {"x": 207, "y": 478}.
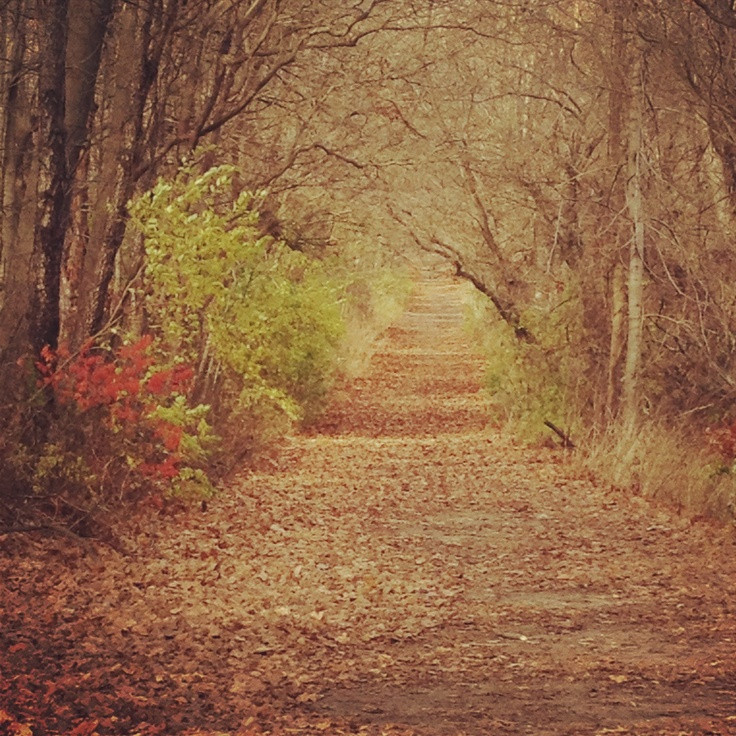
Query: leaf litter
{"x": 401, "y": 568}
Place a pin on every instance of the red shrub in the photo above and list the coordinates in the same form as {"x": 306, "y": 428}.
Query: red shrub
{"x": 113, "y": 396}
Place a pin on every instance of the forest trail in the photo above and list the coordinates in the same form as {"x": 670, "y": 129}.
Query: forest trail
{"x": 400, "y": 569}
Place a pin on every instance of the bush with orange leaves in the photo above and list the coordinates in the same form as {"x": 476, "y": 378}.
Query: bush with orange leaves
{"x": 121, "y": 430}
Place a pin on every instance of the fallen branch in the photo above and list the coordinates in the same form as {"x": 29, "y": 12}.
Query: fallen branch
{"x": 566, "y": 441}
{"x": 85, "y": 542}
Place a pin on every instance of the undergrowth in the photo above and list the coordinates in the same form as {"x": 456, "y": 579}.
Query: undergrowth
{"x": 529, "y": 383}
{"x": 690, "y": 466}
{"x": 682, "y": 466}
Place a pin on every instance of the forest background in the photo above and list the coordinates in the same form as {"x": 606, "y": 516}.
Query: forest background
{"x": 202, "y": 200}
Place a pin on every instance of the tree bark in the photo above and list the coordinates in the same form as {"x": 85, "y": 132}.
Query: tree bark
{"x": 17, "y": 177}
{"x": 156, "y": 30}
{"x": 630, "y": 394}
{"x": 619, "y": 101}
{"x": 88, "y": 22}
{"x": 53, "y": 180}
{"x": 618, "y": 338}
{"x": 119, "y": 77}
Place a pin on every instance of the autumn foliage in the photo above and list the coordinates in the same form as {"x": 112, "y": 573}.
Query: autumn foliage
{"x": 261, "y": 321}
{"x": 243, "y": 339}
{"x": 121, "y": 431}
{"x": 722, "y": 440}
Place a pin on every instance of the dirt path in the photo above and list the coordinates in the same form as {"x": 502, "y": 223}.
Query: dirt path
{"x": 553, "y": 606}
{"x": 401, "y": 569}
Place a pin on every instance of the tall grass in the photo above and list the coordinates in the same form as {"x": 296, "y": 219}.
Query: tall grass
{"x": 670, "y": 461}
{"x": 667, "y": 463}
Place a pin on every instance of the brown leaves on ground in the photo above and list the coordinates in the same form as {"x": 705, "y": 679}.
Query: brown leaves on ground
{"x": 401, "y": 569}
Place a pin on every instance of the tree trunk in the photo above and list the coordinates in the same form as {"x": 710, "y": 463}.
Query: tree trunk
{"x": 17, "y": 177}
{"x": 71, "y": 34}
{"x": 75, "y": 252}
{"x": 119, "y": 77}
{"x": 88, "y": 22}
{"x": 156, "y": 30}
{"x": 630, "y": 393}
{"x": 618, "y": 339}
{"x": 53, "y": 180}
{"x": 618, "y": 104}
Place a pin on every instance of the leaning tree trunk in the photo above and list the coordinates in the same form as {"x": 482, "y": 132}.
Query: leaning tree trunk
{"x": 88, "y": 24}
{"x": 156, "y": 33}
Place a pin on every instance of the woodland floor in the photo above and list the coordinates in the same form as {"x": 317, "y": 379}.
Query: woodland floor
{"x": 401, "y": 569}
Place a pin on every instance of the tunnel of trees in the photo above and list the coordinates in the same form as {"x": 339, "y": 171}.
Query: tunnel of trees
{"x": 194, "y": 194}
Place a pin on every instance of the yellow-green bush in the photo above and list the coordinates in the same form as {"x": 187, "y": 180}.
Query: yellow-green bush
{"x": 260, "y": 321}
{"x": 239, "y": 338}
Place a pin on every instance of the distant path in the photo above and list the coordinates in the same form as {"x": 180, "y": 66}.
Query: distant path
{"x": 400, "y": 564}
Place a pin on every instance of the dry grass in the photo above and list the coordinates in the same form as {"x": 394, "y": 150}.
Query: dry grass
{"x": 667, "y": 464}
{"x": 382, "y": 303}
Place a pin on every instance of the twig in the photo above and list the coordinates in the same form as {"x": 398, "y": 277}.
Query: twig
{"x": 54, "y": 529}
{"x": 566, "y": 441}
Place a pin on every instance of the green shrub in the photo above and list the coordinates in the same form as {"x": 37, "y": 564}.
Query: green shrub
{"x": 260, "y": 321}
{"x": 528, "y": 382}
{"x": 243, "y": 338}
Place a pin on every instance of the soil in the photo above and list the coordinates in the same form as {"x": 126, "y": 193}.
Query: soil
{"x": 401, "y": 568}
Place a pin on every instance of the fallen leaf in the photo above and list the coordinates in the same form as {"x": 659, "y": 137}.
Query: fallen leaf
{"x": 308, "y": 698}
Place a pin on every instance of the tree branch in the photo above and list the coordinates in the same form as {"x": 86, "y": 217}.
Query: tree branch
{"x": 53, "y": 529}
{"x": 566, "y": 441}
{"x": 722, "y": 14}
